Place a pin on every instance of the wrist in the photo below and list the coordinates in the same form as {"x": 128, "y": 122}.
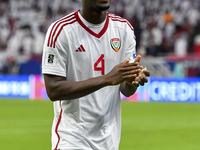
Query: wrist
{"x": 130, "y": 84}
{"x": 105, "y": 81}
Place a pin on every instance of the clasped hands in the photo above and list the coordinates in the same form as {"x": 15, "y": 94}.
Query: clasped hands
{"x": 132, "y": 73}
{"x": 140, "y": 78}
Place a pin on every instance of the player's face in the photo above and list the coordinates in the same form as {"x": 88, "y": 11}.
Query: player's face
{"x": 100, "y": 5}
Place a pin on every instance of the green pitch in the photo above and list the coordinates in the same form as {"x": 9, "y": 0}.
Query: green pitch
{"x": 26, "y": 124}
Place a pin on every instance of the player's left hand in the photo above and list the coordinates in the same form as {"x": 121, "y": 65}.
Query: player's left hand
{"x": 141, "y": 79}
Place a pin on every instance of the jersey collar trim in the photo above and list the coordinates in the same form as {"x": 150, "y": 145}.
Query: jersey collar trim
{"x": 90, "y": 31}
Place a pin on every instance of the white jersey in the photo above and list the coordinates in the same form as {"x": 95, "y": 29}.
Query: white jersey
{"x": 74, "y": 51}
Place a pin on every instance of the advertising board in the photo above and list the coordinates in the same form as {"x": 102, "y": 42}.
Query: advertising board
{"x": 15, "y": 86}
{"x": 156, "y": 90}
{"x": 174, "y": 89}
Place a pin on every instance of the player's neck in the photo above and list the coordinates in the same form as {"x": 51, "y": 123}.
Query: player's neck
{"x": 93, "y": 16}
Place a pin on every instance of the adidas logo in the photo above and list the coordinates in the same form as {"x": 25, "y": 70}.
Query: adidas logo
{"x": 81, "y": 49}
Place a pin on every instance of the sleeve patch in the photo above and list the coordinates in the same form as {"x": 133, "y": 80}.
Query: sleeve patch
{"x": 50, "y": 59}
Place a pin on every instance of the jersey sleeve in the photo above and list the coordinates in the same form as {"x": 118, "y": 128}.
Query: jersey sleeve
{"x": 131, "y": 50}
{"x": 54, "y": 54}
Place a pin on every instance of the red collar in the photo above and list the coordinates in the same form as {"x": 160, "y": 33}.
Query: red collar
{"x": 90, "y": 31}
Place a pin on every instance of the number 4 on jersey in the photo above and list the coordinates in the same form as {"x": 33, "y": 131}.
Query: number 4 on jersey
{"x": 102, "y": 67}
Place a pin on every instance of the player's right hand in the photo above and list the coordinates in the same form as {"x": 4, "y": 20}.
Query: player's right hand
{"x": 123, "y": 72}
{"x": 141, "y": 79}
{"x": 137, "y": 60}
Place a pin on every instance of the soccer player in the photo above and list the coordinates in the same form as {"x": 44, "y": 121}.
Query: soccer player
{"x": 88, "y": 58}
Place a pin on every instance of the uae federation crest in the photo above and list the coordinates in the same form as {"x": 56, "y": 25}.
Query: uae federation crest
{"x": 115, "y": 44}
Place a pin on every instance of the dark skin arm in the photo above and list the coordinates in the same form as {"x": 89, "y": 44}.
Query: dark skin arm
{"x": 59, "y": 89}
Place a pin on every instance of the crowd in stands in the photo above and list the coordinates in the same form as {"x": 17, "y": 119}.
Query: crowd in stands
{"x": 161, "y": 27}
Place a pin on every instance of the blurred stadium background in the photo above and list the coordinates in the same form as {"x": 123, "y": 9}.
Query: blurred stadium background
{"x": 168, "y": 39}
